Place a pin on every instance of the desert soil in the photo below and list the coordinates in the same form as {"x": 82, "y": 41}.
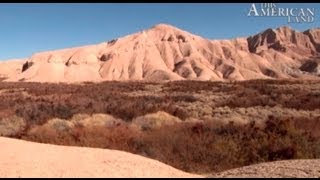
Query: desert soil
{"x": 28, "y": 159}
{"x": 307, "y": 168}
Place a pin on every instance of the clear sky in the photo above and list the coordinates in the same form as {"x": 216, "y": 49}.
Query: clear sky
{"x": 29, "y": 28}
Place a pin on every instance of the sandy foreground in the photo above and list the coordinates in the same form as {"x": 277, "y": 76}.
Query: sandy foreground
{"x": 20, "y": 158}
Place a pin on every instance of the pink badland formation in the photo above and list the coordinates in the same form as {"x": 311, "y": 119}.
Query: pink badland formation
{"x": 164, "y": 52}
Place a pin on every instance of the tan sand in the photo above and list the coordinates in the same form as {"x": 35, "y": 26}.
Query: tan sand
{"x": 20, "y": 158}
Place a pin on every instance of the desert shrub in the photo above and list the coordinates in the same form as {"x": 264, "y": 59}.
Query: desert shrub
{"x": 63, "y": 111}
{"x": 56, "y": 131}
{"x": 58, "y": 125}
{"x": 12, "y": 126}
{"x": 95, "y": 120}
{"x": 185, "y": 98}
{"x": 214, "y": 149}
{"x": 198, "y": 147}
{"x": 46, "y": 101}
{"x": 79, "y": 117}
{"x": 155, "y": 120}
{"x": 117, "y": 137}
{"x": 192, "y": 145}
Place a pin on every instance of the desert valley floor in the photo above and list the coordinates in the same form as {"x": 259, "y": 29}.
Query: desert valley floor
{"x": 199, "y": 127}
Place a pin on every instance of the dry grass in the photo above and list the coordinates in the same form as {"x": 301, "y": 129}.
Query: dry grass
{"x": 155, "y": 120}
{"x": 12, "y": 126}
{"x": 195, "y": 147}
{"x": 195, "y": 126}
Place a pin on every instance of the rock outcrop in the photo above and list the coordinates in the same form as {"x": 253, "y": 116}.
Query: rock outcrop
{"x": 302, "y": 168}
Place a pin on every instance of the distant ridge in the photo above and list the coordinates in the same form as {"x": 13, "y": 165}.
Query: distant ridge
{"x": 164, "y": 52}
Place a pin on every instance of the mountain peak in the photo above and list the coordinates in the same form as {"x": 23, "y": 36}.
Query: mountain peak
{"x": 166, "y": 28}
{"x": 284, "y": 28}
{"x": 163, "y": 26}
{"x": 170, "y": 33}
{"x": 165, "y": 52}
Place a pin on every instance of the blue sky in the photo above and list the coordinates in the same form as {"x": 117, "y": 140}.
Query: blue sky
{"x": 30, "y": 28}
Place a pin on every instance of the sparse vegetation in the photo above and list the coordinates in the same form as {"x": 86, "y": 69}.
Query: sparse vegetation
{"x": 155, "y": 120}
{"x": 194, "y": 126}
{"x": 195, "y": 147}
{"x": 12, "y": 126}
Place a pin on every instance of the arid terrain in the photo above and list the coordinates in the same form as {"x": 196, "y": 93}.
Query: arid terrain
{"x": 201, "y": 106}
{"x": 44, "y": 160}
{"x": 164, "y": 52}
{"x": 27, "y": 159}
{"x": 199, "y": 127}
{"x": 279, "y": 169}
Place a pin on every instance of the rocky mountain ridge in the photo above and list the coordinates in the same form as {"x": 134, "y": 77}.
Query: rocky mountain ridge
{"x": 164, "y": 52}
